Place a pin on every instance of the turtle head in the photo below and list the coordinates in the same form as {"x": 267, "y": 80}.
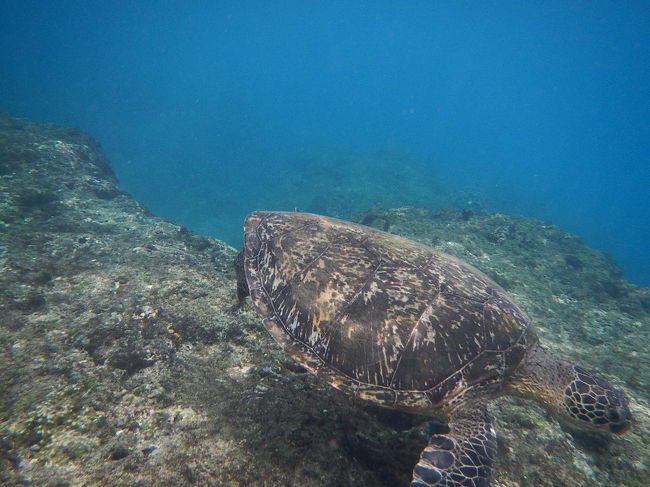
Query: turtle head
{"x": 591, "y": 401}
{"x": 572, "y": 393}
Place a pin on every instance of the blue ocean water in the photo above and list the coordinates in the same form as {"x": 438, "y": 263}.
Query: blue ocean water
{"x": 211, "y": 109}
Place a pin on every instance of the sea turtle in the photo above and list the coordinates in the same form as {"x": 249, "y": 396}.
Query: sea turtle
{"x": 401, "y": 325}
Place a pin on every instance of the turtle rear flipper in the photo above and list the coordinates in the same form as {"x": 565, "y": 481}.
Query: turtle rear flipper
{"x": 461, "y": 458}
{"x": 242, "y": 285}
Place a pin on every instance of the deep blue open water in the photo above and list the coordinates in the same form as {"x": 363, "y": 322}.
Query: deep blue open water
{"x": 208, "y": 110}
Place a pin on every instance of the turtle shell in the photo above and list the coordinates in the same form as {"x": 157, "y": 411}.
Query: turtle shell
{"x": 378, "y": 316}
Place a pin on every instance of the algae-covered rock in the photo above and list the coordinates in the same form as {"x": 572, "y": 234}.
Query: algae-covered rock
{"x": 126, "y": 358}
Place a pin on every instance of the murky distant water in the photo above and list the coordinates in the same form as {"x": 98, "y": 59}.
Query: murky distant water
{"x": 210, "y": 111}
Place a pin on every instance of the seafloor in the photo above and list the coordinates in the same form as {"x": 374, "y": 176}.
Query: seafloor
{"x": 126, "y": 360}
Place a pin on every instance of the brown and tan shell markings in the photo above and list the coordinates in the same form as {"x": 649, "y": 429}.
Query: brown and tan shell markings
{"x": 383, "y": 318}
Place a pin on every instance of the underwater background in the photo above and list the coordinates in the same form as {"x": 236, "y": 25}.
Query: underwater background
{"x": 209, "y": 110}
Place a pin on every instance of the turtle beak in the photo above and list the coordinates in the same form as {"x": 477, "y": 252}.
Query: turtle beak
{"x": 621, "y": 419}
{"x": 619, "y": 428}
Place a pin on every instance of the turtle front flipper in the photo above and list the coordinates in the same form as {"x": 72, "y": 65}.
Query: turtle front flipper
{"x": 464, "y": 456}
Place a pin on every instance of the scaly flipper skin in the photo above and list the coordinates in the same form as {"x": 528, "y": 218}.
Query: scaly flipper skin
{"x": 463, "y": 457}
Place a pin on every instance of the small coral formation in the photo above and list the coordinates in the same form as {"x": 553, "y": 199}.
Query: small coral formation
{"x": 126, "y": 359}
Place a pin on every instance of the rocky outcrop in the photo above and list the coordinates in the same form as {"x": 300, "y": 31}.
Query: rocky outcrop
{"x": 127, "y": 359}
